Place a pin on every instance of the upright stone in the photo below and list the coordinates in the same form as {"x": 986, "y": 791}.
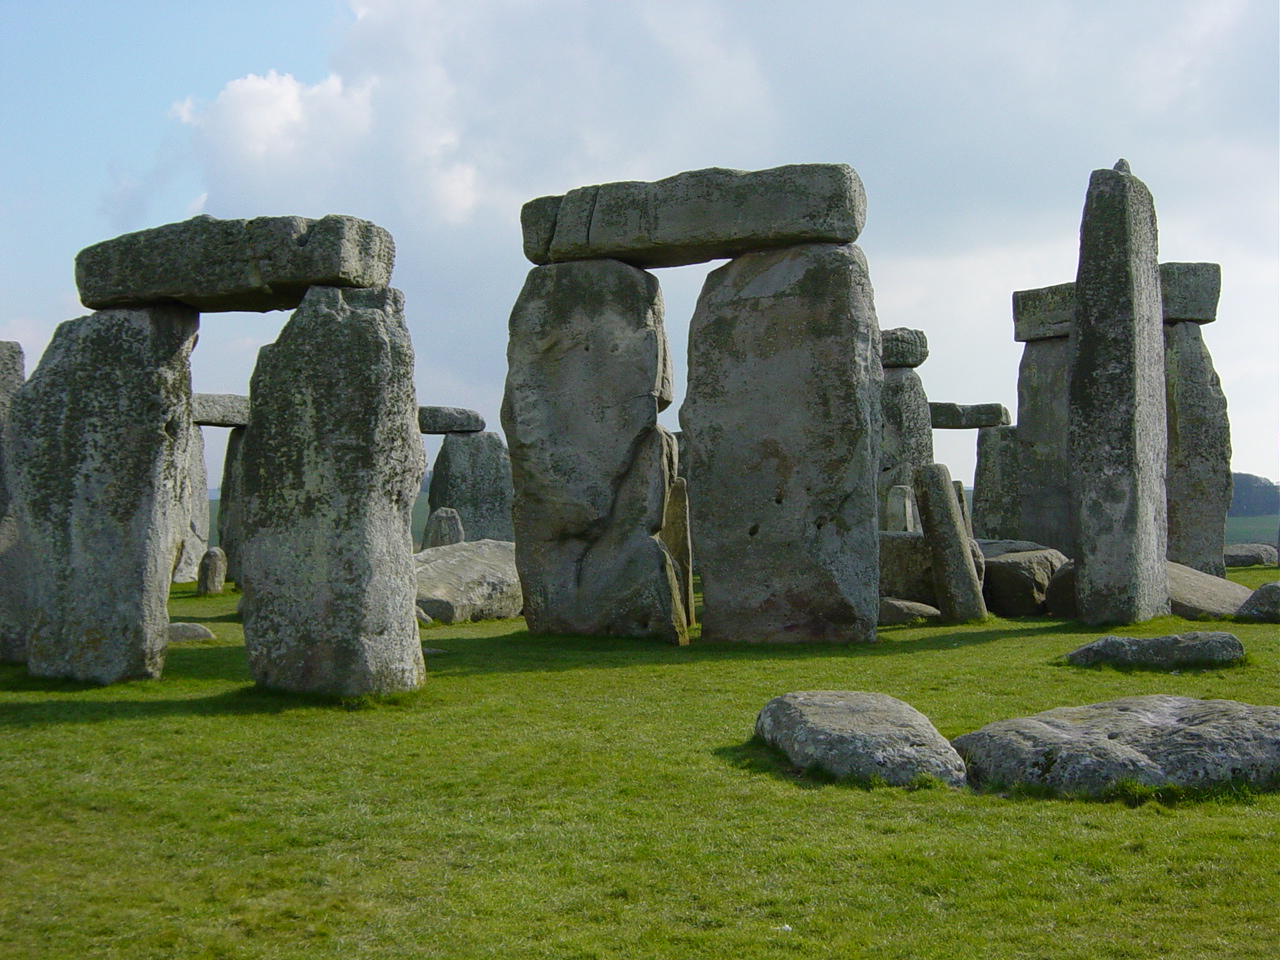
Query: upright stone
{"x": 195, "y": 510}
{"x": 1116, "y": 422}
{"x": 444, "y": 526}
{"x": 472, "y": 474}
{"x": 332, "y": 460}
{"x": 955, "y": 578}
{"x": 230, "y": 524}
{"x": 675, "y": 534}
{"x": 782, "y": 423}
{"x": 14, "y": 608}
{"x": 996, "y": 485}
{"x": 906, "y": 436}
{"x": 1044, "y": 459}
{"x": 12, "y": 375}
{"x": 212, "y": 578}
{"x": 900, "y": 514}
{"x": 588, "y": 371}
{"x": 99, "y": 457}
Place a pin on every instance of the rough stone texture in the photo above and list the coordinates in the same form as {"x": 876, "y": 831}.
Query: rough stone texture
{"x": 675, "y": 534}
{"x": 962, "y": 504}
{"x": 98, "y": 462}
{"x": 1249, "y": 555}
{"x": 906, "y": 568}
{"x": 1044, "y": 460}
{"x": 219, "y": 410}
{"x": 1263, "y": 605}
{"x": 195, "y": 512}
{"x": 955, "y": 579}
{"x": 900, "y": 514}
{"x": 906, "y": 436}
{"x": 472, "y": 474}
{"x": 995, "y": 548}
{"x": 894, "y": 612}
{"x": 468, "y": 580}
{"x": 997, "y": 482}
{"x": 449, "y": 420}
{"x": 15, "y": 603}
{"x": 859, "y": 736}
{"x": 212, "y": 577}
{"x": 215, "y": 265}
{"x": 959, "y": 416}
{"x": 903, "y": 347}
{"x": 1044, "y": 313}
{"x": 588, "y": 371}
{"x": 230, "y": 505}
{"x": 782, "y": 423}
{"x": 697, "y": 216}
{"x": 179, "y": 632}
{"x": 1015, "y": 584}
{"x": 1060, "y": 597}
{"x": 12, "y": 375}
{"x": 1116, "y": 415}
{"x": 331, "y": 464}
{"x": 444, "y": 526}
{"x": 1153, "y": 740}
{"x": 1193, "y": 595}
{"x": 1198, "y": 473}
{"x": 1201, "y": 648}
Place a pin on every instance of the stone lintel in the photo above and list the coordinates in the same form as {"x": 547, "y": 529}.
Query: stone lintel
{"x": 219, "y": 410}
{"x": 449, "y": 420}
{"x": 959, "y": 416}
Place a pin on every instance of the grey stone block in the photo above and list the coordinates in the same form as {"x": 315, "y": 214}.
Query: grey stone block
{"x": 955, "y": 578}
{"x": 219, "y": 410}
{"x": 472, "y": 475}
{"x": 449, "y": 420}
{"x": 1173, "y": 652}
{"x": 212, "y": 577}
{"x": 906, "y": 435}
{"x": 467, "y": 581}
{"x": 12, "y": 375}
{"x": 1263, "y": 605}
{"x": 1249, "y": 555}
{"x": 443, "y": 527}
{"x": 959, "y": 416}
{"x": 903, "y": 347}
{"x": 997, "y": 484}
{"x": 1044, "y": 460}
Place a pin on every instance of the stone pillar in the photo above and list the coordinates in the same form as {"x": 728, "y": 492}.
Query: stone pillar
{"x": 900, "y": 515}
{"x": 229, "y": 503}
{"x": 675, "y": 534}
{"x": 13, "y": 554}
{"x": 588, "y": 371}
{"x": 444, "y": 526}
{"x": 1116, "y": 415}
{"x": 906, "y": 436}
{"x": 195, "y": 508}
{"x": 99, "y": 458}
{"x": 212, "y": 575}
{"x": 955, "y": 578}
{"x": 996, "y": 485}
{"x": 782, "y": 426}
{"x": 472, "y": 475}
{"x": 331, "y": 464}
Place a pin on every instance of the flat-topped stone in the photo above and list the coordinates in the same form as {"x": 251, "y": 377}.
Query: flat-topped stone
{"x": 903, "y": 347}
{"x": 697, "y": 216}
{"x": 216, "y": 265}
{"x": 449, "y": 420}
{"x": 960, "y": 416}
{"x": 1198, "y": 648}
{"x": 219, "y": 410}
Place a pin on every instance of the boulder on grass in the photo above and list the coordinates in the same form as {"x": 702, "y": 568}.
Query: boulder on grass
{"x": 1193, "y": 595}
{"x": 1263, "y": 605}
{"x": 1249, "y": 555}
{"x": 858, "y": 736}
{"x": 1200, "y": 648}
{"x": 189, "y": 631}
{"x": 894, "y": 612}
{"x": 470, "y": 580}
{"x": 1015, "y": 584}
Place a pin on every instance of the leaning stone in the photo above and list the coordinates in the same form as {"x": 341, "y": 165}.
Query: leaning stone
{"x": 1194, "y": 595}
{"x": 955, "y": 579}
{"x": 194, "y": 501}
{"x": 217, "y": 265}
{"x": 1263, "y": 605}
{"x": 1249, "y": 555}
{"x": 1015, "y": 584}
{"x": 449, "y": 420}
{"x": 97, "y": 461}
{"x": 865, "y": 737}
{"x": 466, "y": 581}
{"x": 230, "y": 521}
{"x": 906, "y": 435}
{"x": 11, "y": 378}
{"x": 1153, "y": 741}
{"x": 212, "y": 579}
{"x": 698, "y": 216}
{"x": 587, "y": 372}
{"x": 997, "y": 483}
{"x": 959, "y": 416}
{"x": 219, "y": 410}
{"x": 894, "y": 612}
{"x": 675, "y": 534}
{"x": 1203, "y": 648}
{"x": 903, "y": 347}
{"x": 782, "y": 423}
{"x": 963, "y": 503}
{"x": 179, "y": 632}
{"x": 332, "y": 460}
{"x": 1044, "y": 459}
{"x": 444, "y": 527}
{"x": 472, "y": 474}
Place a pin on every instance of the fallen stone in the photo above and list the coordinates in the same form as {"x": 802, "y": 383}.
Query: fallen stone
{"x": 894, "y": 612}
{"x": 219, "y": 410}
{"x": 995, "y": 548}
{"x": 1263, "y": 605}
{"x": 444, "y": 527}
{"x": 906, "y": 436}
{"x": 697, "y": 216}
{"x": 449, "y": 420}
{"x": 1153, "y": 741}
{"x": 1249, "y": 555}
{"x": 1205, "y": 648}
{"x": 1193, "y": 595}
{"x": 864, "y": 737}
{"x": 469, "y": 580}
{"x": 472, "y": 475}
{"x": 955, "y": 578}
{"x": 179, "y": 632}
{"x": 216, "y": 265}
{"x": 1015, "y": 584}
{"x": 212, "y": 578}
{"x": 959, "y": 416}
{"x": 997, "y": 484}
{"x": 903, "y": 347}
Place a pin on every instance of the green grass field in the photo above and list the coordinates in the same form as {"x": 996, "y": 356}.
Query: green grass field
{"x": 584, "y": 798}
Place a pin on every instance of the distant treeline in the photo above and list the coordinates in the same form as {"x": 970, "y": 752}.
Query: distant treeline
{"x": 1253, "y": 496}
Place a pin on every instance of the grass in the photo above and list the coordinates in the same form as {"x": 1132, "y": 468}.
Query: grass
{"x": 1252, "y": 529}
{"x": 588, "y": 798}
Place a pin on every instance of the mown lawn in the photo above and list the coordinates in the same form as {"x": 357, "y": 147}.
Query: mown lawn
{"x": 574, "y": 798}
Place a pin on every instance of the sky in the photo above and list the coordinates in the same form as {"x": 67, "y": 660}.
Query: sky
{"x": 974, "y": 127}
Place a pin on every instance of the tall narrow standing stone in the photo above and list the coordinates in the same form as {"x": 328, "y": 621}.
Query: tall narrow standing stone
{"x": 212, "y": 576}
{"x": 955, "y": 578}
{"x": 13, "y": 556}
{"x": 332, "y": 460}
{"x": 1116, "y": 421}
{"x": 230, "y": 525}
{"x": 588, "y": 371}
{"x": 99, "y": 458}
{"x": 195, "y": 507}
{"x": 996, "y": 485}
{"x": 472, "y": 474}
{"x": 782, "y": 425}
{"x": 906, "y": 436}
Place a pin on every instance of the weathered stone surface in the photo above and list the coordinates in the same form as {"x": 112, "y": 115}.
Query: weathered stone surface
{"x": 1116, "y": 406}
{"x": 1015, "y": 584}
{"x": 178, "y": 632}
{"x": 97, "y": 460}
{"x": 906, "y": 435}
{"x": 219, "y": 410}
{"x": 15, "y": 599}
{"x": 960, "y": 416}
{"x": 468, "y": 580}
{"x": 962, "y": 503}
{"x": 444, "y": 526}
{"x": 1249, "y": 555}
{"x": 1193, "y": 595}
{"x": 906, "y": 567}
{"x": 900, "y": 514}
{"x": 782, "y": 423}
{"x": 1263, "y": 605}
{"x": 903, "y": 347}
{"x": 449, "y": 420}
{"x": 997, "y": 482}
{"x": 12, "y": 375}
{"x": 472, "y": 474}
{"x": 212, "y": 578}
{"x": 894, "y": 612}
{"x": 588, "y": 371}
{"x": 697, "y": 216}
{"x": 996, "y": 548}
{"x": 194, "y": 505}
{"x": 1043, "y": 313}
{"x": 860, "y": 736}
{"x": 1044, "y": 460}
{"x": 1153, "y": 741}
{"x": 1198, "y": 482}
{"x": 675, "y": 534}
{"x": 955, "y": 579}
{"x": 230, "y": 504}
{"x": 1173, "y": 652}
{"x": 331, "y": 463}
{"x": 1060, "y": 597}
{"x": 214, "y": 265}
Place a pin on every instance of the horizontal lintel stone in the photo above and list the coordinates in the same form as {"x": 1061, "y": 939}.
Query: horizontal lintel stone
{"x": 449, "y": 420}
{"x": 959, "y": 416}
{"x": 219, "y": 410}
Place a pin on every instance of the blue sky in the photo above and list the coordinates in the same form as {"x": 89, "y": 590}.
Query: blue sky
{"x": 973, "y": 125}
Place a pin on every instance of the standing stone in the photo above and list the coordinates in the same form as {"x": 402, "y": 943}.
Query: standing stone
{"x": 675, "y": 535}
{"x": 99, "y": 457}
{"x": 962, "y": 504}
{"x": 195, "y": 510}
{"x": 13, "y": 554}
{"x": 906, "y": 435}
{"x": 332, "y": 459}
{"x": 1044, "y": 458}
{"x": 996, "y": 485}
{"x": 472, "y": 474}
{"x": 955, "y": 578}
{"x": 782, "y": 422}
{"x": 11, "y": 377}
{"x": 588, "y": 371}
{"x": 900, "y": 514}
{"x": 230, "y": 526}
{"x": 1116, "y": 418}
{"x": 212, "y": 578}
{"x": 444, "y": 526}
